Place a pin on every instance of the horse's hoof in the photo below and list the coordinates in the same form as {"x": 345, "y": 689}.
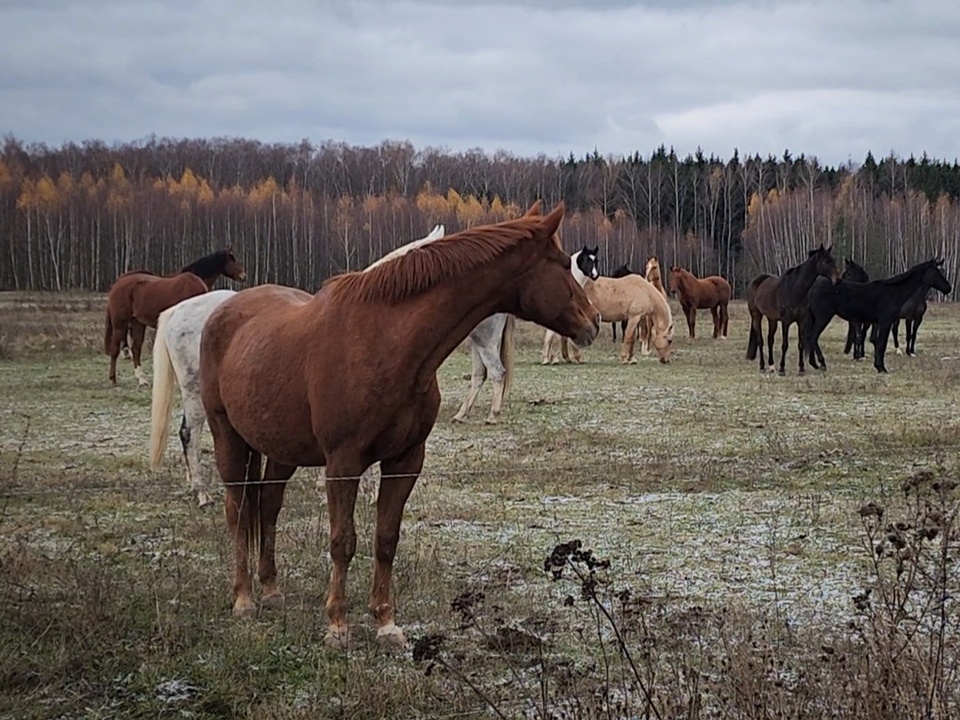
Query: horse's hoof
{"x": 390, "y": 636}
{"x": 782, "y": 373}
{"x": 457, "y": 419}
{"x": 244, "y": 609}
{"x": 899, "y": 351}
{"x": 337, "y": 637}
{"x": 491, "y": 420}
{"x": 273, "y": 600}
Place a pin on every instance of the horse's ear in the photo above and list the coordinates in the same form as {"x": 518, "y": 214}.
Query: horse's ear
{"x": 595, "y": 251}
{"x": 534, "y": 209}
{"x": 551, "y": 222}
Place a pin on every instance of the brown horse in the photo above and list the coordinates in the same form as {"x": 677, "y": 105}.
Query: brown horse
{"x": 645, "y": 329}
{"x": 783, "y": 299}
{"x": 275, "y": 383}
{"x": 709, "y": 293}
{"x": 137, "y": 298}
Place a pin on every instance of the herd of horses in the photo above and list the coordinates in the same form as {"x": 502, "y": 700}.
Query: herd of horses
{"x": 258, "y": 366}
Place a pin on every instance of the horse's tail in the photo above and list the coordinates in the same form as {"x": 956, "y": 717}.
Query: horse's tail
{"x": 508, "y": 351}
{"x": 251, "y": 496}
{"x": 162, "y": 397}
{"x": 107, "y": 332}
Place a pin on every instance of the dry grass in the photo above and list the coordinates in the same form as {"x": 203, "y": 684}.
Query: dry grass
{"x": 728, "y": 502}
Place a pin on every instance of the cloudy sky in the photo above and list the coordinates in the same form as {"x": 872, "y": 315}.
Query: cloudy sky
{"x": 830, "y": 78}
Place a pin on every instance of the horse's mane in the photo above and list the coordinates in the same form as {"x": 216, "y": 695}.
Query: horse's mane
{"x": 907, "y": 274}
{"x": 427, "y": 265}
{"x": 209, "y": 264}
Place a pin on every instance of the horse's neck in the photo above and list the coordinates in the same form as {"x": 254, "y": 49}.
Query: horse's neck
{"x": 577, "y": 272}
{"x": 429, "y": 327}
{"x": 659, "y": 285}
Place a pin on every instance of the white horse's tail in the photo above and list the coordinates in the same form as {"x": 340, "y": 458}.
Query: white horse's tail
{"x": 163, "y": 386}
{"x": 508, "y": 351}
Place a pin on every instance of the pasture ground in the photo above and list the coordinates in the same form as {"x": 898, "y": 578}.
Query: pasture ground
{"x": 726, "y": 501}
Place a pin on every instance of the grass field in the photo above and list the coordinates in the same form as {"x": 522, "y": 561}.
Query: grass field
{"x": 728, "y": 502}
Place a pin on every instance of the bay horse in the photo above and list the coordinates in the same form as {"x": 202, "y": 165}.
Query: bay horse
{"x": 709, "y": 293}
{"x": 176, "y": 361}
{"x": 876, "y": 303}
{"x": 645, "y": 328}
{"x": 583, "y": 265}
{"x": 137, "y": 298}
{"x": 633, "y": 298}
{"x": 783, "y": 299}
{"x": 856, "y": 331}
{"x": 274, "y": 383}
{"x": 620, "y": 272}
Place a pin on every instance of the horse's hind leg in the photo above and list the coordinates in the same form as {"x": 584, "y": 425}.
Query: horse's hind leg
{"x": 118, "y": 333}
{"x": 715, "y": 312}
{"x": 771, "y": 336}
{"x": 273, "y": 486}
{"x": 895, "y": 331}
{"x": 476, "y": 382}
{"x": 724, "y": 320}
{"x": 493, "y": 367}
{"x": 190, "y": 430}
{"x": 393, "y": 496}
{"x": 784, "y": 346}
{"x": 137, "y": 333}
{"x": 234, "y": 458}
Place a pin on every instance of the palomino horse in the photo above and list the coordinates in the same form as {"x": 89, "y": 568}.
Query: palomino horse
{"x": 878, "y": 303}
{"x": 633, "y": 298}
{"x": 273, "y": 384}
{"x": 856, "y": 332}
{"x": 176, "y": 357}
{"x": 620, "y": 272}
{"x": 583, "y": 265}
{"x": 783, "y": 299}
{"x": 710, "y": 293}
{"x": 137, "y": 298}
{"x": 645, "y": 328}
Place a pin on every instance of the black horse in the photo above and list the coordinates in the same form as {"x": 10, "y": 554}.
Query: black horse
{"x": 876, "y": 303}
{"x": 792, "y": 291}
{"x": 856, "y": 332}
{"x": 620, "y": 272}
{"x": 912, "y": 311}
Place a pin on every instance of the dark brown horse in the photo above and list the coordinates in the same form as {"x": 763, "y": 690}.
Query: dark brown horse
{"x": 348, "y": 377}
{"x": 137, "y": 298}
{"x": 783, "y": 299}
{"x": 710, "y": 293}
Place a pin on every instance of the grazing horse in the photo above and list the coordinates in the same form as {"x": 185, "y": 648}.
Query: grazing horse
{"x": 633, "y": 298}
{"x": 783, "y": 299}
{"x": 583, "y": 265}
{"x": 645, "y": 328}
{"x": 856, "y": 332}
{"x": 876, "y": 303}
{"x": 137, "y": 298}
{"x": 176, "y": 357}
{"x": 273, "y": 384}
{"x": 710, "y": 293}
{"x": 620, "y": 272}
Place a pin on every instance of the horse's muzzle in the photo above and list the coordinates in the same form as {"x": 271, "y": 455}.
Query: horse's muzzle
{"x": 586, "y": 336}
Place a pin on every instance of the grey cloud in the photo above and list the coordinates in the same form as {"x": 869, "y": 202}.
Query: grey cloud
{"x": 831, "y": 80}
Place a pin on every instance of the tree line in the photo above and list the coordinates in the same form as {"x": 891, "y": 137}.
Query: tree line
{"x": 78, "y": 215}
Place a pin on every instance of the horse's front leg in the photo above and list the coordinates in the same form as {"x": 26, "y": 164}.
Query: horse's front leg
{"x": 342, "y": 483}
{"x": 401, "y": 474}
{"x": 880, "y": 338}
